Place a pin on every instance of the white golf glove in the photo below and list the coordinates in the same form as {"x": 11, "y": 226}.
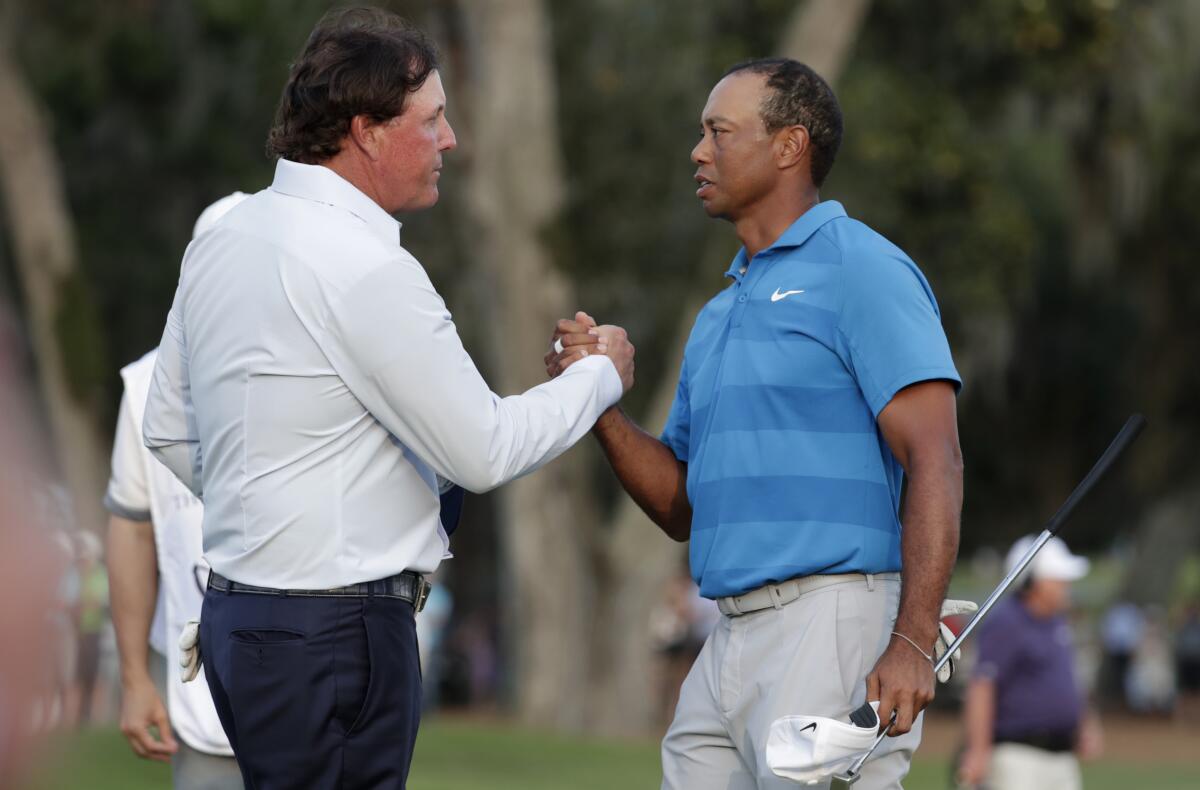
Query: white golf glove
{"x": 950, "y": 608}
{"x": 189, "y": 651}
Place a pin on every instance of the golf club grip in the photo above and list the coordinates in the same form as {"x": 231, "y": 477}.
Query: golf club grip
{"x": 1133, "y": 426}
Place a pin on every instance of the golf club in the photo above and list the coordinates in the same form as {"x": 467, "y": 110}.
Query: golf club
{"x": 1133, "y": 426}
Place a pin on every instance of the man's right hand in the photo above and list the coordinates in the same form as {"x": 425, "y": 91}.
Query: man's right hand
{"x": 141, "y": 709}
{"x": 581, "y": 337}
{"x": 973, "y": 766}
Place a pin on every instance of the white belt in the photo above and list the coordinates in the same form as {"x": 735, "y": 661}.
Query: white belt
{"x": 779, "y": 595}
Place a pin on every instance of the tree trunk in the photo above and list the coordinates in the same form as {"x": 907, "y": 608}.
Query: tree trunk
{"x": 516, "y": 190}
{"x": 821, "y": 33}
{"x": 47, "y": 265}
{"x": 1166, "y": 538}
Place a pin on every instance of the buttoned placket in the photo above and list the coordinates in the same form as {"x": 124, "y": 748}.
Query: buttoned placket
{"x": 747, "y": 279}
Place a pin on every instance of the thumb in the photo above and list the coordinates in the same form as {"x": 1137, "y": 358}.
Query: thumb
{"x": 163, "y": 724}
{"x": 585, "y": 319}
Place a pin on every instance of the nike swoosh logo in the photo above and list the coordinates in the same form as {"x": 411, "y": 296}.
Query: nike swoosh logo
{"x": 775, "y": 297}
{"x": 811, "y": 726}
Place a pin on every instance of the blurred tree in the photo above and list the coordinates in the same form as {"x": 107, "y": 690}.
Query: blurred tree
{"x": 60, "y": 313}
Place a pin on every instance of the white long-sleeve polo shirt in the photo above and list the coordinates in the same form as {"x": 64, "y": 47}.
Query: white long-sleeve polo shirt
{"x": 311, "y": 386}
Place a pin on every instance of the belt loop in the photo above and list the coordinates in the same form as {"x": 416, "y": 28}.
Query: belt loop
{"x": 870, "y": 581}
{"x": 776, "y": 596}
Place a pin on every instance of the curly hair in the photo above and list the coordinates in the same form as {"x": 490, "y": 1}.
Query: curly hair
{"x": 799, "y": 97}
{"x": 357, "y": 61}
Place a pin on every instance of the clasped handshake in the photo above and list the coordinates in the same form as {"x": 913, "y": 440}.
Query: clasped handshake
{"x": 576, "y": 339}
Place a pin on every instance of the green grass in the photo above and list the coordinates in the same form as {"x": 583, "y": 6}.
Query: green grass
{"x": 458, "y": 755}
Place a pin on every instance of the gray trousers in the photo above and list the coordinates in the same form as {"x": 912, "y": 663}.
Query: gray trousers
{"x": 192, "y": 769}
{"x": 811, "y": 656}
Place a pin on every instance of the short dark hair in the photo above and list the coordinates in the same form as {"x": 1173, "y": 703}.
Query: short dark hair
{"x": 357, "y": 61}
{"x": 799, "y": 97}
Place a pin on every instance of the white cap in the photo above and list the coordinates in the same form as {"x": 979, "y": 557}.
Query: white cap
{"x": 1054, "y": 561}
{"x": 211, "y": 215}
{"x": 810, "y": 749}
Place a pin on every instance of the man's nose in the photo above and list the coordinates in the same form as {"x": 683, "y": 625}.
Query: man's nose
{"x": 700, "y": 154}
{"x": 449, "y": 141}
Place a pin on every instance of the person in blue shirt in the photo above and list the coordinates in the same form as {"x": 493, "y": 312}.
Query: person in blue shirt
{"x": 814, "y": 386}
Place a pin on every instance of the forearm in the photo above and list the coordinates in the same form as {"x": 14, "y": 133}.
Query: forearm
{"x": 650, "y": 473}
{"x": 979, "y": 710}
{"x": 929, "y": 543}
{"x": 133, "y": 590}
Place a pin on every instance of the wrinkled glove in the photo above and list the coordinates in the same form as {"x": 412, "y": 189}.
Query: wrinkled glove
{"x": 950, "y": 608}
{"x": 189, "y": 651}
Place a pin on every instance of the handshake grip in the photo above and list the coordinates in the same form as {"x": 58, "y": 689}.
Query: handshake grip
{"x": 578, "y": 338}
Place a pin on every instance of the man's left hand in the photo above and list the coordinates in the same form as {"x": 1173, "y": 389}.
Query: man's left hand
{"x": 902, "y": 681}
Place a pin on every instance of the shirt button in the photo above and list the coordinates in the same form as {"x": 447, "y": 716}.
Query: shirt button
{"x": 742, "y": 298}
{"x": 742, "y": 270}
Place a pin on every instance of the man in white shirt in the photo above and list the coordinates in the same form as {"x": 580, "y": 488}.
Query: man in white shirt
{"x": 156, "y": 573}
{"x": 312, "y": 389}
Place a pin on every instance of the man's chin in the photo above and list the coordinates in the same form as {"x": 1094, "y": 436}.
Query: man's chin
{"x": 427, "y": 200}
{"x": 714, "y": 209}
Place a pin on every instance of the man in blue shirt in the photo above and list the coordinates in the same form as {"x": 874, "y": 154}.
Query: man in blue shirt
{"x": 811, "y": 386}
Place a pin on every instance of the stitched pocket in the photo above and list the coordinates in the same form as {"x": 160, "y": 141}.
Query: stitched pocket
{"x": 266, "y": 636}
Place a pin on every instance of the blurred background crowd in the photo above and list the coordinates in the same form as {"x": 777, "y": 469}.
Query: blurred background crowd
{"x": 1039, "y": 159}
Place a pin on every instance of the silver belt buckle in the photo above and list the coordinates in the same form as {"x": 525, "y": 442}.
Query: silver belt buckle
{"x": 423, "y": 589}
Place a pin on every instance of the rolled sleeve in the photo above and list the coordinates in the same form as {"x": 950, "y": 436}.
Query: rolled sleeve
{"x": 128, "y": 492}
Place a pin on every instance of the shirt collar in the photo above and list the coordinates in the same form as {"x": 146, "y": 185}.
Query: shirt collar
{"x": 322, "y": 185}
{"x": 809, "y": 223}
{"x": 797, "y": 233}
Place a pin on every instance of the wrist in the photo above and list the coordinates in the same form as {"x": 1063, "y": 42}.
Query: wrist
{"x": 609, "y": 420}
{"x": 924, "y": 634}
{"x": 135, "y": 678}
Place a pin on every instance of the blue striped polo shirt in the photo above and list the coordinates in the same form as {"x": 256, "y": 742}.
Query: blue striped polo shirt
{"x": 784, "y": 375}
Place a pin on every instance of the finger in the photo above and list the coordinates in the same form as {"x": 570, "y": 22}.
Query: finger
{"x": 873, "y": 689}
{"x": 135, "y": 744}
{"x": 585, "y": 319}
{"x": 905, "y": 712}
{"x": 143, "y": 743}
{"x": 576, "y": 339}
{"x": 164, "y": 731}
{"x": 565, "y": 326}
{"x": 568, "y": 359}
{"x": 887, "y": 707}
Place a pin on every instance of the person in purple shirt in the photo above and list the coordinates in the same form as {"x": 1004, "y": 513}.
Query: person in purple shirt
{"x": 1025, "y": 714}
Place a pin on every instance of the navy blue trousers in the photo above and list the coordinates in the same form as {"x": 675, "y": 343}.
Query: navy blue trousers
{"x": 314, "y": 693}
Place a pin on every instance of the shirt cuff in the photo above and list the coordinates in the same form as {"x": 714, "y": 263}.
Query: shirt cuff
{"x": 608, "y": 380}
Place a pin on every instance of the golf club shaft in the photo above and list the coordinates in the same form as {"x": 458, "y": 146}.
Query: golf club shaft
{"x": 1133, "y": 426}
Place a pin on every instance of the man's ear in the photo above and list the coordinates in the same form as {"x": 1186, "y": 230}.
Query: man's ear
{"x": 793, "y": 146}
{"x": 364, "y": 135}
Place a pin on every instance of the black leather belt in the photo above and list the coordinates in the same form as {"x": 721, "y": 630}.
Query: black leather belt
{"x": 1046, "y": 741}
{"x": 407, "y": 586}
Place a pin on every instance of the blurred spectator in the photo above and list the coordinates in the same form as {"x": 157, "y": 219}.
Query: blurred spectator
{"x": 1187, "y": 661}
{"x": 1150, "y": 679}
{"x": 679, "y": 624}
{"x": 30, "y": 568}
{"x": 1024, "y": 712}
{"x": 93, "y": 616}
{"x": 431, "y": 632}
{"x": 1121, "y": 633}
